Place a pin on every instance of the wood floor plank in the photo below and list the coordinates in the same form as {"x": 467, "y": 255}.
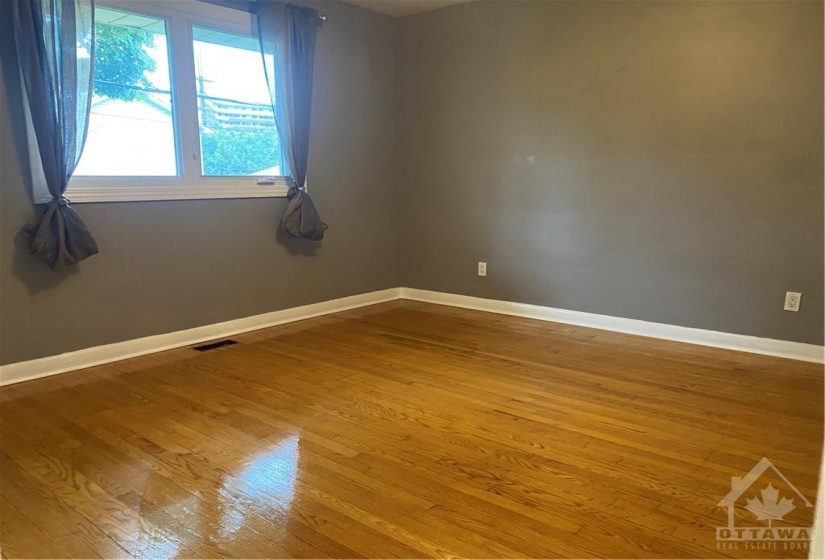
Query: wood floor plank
{"x": 406, "y": 430}
{"x": 21, "y": 537}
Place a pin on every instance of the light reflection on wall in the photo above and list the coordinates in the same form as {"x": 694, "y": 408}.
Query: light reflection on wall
{"x": 267, "y": 484}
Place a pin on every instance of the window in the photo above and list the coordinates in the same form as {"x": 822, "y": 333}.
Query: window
{"x": 236, "y": 122}
{"x": 131, "y": 125}
{"x": 181, "y": 108}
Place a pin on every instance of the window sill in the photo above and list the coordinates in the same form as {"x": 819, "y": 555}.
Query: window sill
{"x": 113, "y": 193}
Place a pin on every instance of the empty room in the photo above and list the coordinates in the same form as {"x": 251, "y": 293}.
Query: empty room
{"x": 412, "y": 279}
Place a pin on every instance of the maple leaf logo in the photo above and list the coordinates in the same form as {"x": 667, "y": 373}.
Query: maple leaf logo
{"x": 770, "y": 507}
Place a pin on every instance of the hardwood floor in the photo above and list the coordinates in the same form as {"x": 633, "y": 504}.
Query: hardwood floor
{"x": 407, "y": 430}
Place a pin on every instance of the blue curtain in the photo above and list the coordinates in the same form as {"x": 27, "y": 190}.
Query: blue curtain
{"x": 287, "y": 36}
{"x": 54, "y": 44}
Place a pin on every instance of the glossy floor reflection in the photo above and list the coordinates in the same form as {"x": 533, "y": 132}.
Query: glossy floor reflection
{"x": 268, "y": 482}
{"x": 403, "y": 430}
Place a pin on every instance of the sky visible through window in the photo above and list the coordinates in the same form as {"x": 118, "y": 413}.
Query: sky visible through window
{"x": 231, "y": 73}
{"x": 158, "y": 52}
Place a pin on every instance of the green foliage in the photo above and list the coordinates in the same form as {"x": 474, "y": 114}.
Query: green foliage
{"x": 239, "y": 152}
{"x": 121, "y": 57}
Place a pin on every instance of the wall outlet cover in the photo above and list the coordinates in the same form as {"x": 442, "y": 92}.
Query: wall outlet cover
{"x": 792, "y": 301}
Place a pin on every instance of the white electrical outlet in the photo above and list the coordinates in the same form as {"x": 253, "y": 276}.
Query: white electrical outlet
{"x": 792, "y": 300}
{"x": 482, "y": 269}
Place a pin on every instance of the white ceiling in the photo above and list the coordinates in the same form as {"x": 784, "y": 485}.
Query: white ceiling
{"x": 400, "y": 8}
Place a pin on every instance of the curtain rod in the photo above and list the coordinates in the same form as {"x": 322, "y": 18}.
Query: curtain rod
{"x": 243, "y": 5}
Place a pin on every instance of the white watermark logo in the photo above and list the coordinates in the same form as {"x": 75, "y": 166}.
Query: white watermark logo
{"x": 768, "y": 506}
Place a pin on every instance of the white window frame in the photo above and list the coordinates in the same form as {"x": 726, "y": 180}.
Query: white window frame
{"x": 190, "y": 184}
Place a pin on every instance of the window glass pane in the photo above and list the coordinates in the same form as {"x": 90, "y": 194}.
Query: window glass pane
{"x": 237, "y": 126}
{"x": 131, "y": 126}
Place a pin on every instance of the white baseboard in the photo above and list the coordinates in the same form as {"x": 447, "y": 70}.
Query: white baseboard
{"x": 743, "y": 343}
{"x": 88, "y": 357}
{"x": 97, "y": 355}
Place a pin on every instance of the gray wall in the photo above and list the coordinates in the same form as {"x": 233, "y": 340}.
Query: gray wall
{"x": 654, "y": 160}
{"x": 167, "y": 266}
